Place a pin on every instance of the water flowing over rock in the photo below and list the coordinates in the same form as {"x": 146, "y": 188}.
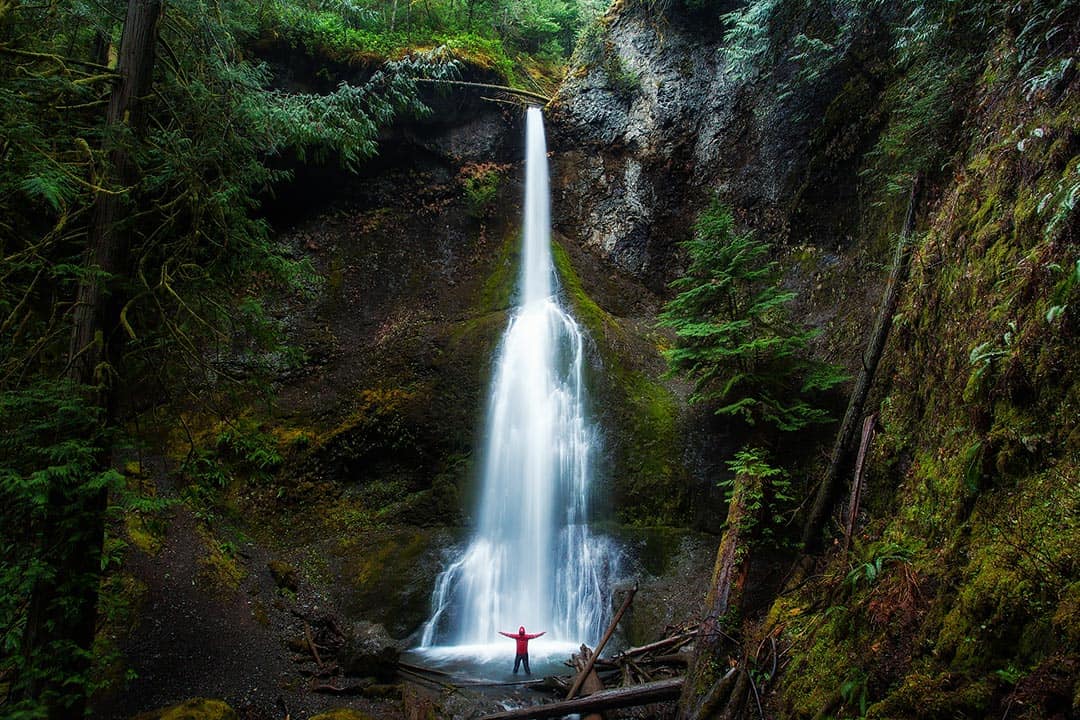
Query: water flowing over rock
{"x": 533, "y": 560}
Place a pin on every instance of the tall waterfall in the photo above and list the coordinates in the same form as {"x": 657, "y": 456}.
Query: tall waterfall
{"x": 532, "y": 560}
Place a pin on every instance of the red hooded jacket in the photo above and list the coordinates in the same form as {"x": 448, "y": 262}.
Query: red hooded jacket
{"x": 522, "y": 639}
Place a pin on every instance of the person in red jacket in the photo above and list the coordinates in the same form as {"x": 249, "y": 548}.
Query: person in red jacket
{"x": 522, "y": 639}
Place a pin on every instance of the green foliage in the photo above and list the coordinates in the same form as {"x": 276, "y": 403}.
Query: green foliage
{"x": 594, "y": 48}
{"x": 50, "y": 443}
{"x": 481, "y": 184}
{"x": 488, "y": 33}
{"x": 878, "y": 557}
{"x": 187, "y": 317}
{"x": 853, "y": 691}
{"x": 736, "y": 341}
{"x": 766, "y": 499}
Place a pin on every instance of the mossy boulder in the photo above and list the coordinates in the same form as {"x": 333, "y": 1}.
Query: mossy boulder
{"x": 342, "y": 714}
{"x": 194, "y": 709}
{"x": 285, "y": 575}
{"x": 928, "y": 697}
{"x": 387, "y": 576}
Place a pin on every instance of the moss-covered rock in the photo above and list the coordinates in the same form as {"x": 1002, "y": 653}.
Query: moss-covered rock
{"x": 935, "y": 697}
{"x": 647, "y": 437}
{"x": 342, "y": 714}
{"x": 194, "y": 709}
{"x": 285, "y": 575}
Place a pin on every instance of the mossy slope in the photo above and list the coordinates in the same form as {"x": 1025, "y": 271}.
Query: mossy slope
{"x": 959, "y": 597}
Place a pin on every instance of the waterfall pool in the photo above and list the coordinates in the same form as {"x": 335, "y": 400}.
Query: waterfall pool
{"x": 494, "y": 662}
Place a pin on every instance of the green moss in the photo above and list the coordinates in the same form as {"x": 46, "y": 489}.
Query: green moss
{"x": 498, "y": 289}
{"x": 342, "y": 714}
{"x": 653, "y": 474}
{"x": 144, "y": 533}
{"x": 1067, "y": 614}
{"x": 650, "y": 478}
{"x": 194, "y": 709}
{"x": 935, "y": 697}
{"x": 384, "y": 580}
{"x": 218, "y": 571}
{"x": 599, "y": 323}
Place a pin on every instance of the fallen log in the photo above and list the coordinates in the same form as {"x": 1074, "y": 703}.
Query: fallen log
{"x": 607, "y": 700}
{"x": 890, "y": 299}
{"x": 658, "y": 645}
{"x": 488, "y": 86}
{"x": 672, "y": 659}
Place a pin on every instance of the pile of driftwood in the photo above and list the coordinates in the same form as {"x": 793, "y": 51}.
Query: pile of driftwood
{"x": 331, "y": 658}
{"x": 639, "y": 676}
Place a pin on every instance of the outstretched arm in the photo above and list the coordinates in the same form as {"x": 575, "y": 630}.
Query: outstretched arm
{"x": 536, "y": 635}
{"x": 509, "y": 635}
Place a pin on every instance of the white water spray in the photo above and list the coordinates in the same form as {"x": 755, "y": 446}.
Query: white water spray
{"x": 533, "y": 560}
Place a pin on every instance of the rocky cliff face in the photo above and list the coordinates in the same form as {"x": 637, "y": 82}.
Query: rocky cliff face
{"x": 934, "y": 613}
{"x": 656, "y": 116}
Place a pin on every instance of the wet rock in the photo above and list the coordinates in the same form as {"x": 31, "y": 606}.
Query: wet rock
{"x": 369, "y": 651}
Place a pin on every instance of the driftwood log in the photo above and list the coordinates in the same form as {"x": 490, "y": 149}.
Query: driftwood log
{"x": 845, "y": 438}
{"x": 606, "y": 700}
{"x": 584, "y": 662}
{"x": 600, "y": 648}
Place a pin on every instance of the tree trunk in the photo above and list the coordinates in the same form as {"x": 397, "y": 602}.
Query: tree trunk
{"x": 841, "y": 453}
{"x": 701, "y": 692}
{"x": 62, "y": 611}
{"x": 857, "y": 479}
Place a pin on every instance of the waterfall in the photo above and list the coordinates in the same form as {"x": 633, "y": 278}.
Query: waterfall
{"x": 532, "y": 560}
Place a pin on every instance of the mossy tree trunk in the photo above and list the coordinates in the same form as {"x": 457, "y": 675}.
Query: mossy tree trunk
{"x": 709, "y": 682}
{"x": 62, "y": 611}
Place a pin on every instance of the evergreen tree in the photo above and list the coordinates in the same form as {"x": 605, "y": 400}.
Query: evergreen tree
{"x": 129, "y": 245}
{"x": 736, "y": 341}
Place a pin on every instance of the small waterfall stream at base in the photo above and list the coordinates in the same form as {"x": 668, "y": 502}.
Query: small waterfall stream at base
{"x": 532, "y": 560}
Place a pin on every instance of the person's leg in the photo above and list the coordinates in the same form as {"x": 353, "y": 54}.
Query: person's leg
{"x": 525, "y": 658}
{"x": 517, "y": 662}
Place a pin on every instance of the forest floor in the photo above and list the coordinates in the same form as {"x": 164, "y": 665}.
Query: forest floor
{"x": 195, "y": 640}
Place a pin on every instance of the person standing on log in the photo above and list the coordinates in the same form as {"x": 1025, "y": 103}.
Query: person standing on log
{"x": 522, "y": 639}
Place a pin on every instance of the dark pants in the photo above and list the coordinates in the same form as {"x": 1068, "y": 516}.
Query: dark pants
{"x": 519, "y": 659}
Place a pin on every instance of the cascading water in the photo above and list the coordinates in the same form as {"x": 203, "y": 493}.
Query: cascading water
{"x": 533, "y": 560}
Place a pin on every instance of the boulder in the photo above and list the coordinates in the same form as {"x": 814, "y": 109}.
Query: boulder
{"x": 284, "y": 574}
{"x": 369, "y": 651}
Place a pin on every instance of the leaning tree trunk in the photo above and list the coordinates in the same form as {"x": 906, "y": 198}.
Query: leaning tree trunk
{"x": 842, "y": 448}
{"x": 706, "y": 688}
{"x": 62, "y": 611}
